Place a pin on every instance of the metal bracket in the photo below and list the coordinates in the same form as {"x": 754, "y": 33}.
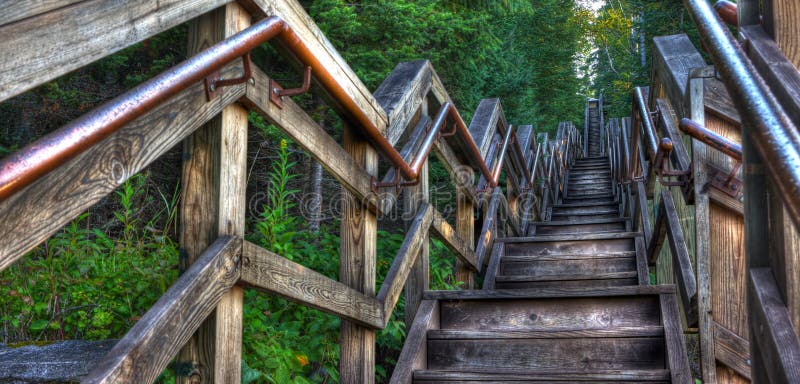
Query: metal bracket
{"x": 276, "y": 92}
{"x": 214, "y": 84}
{"x": 727, "y": 182}
{"x": 397, "y": 183}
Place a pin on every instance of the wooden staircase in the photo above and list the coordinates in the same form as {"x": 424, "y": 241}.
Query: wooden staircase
{"x": 569, "y": 302}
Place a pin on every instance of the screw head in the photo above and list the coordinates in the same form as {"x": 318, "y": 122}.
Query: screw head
{"x": 212, "y": 87}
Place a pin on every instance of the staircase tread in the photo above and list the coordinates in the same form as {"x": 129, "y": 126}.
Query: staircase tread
{"x": 610, "y": 332}
{"x": 570, "y": 237}
{"x": 474, "y": 374}
{"x": 586, "y": 275}
{"x": 554, "y": 292}
{"x": 587, "y": 213}
{"x": 587, "y": 221}
{"x": 568, "y": 256}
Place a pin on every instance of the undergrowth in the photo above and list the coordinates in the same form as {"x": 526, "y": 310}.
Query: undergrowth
{"x": 84, "y": 283}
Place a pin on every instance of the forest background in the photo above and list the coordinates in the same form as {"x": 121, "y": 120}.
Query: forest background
{"x": 101, "y": 273}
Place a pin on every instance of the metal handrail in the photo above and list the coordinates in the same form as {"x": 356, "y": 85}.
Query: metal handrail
{"x": 711, "y": 138}
{"x": 727, "y": 11}
{"x": 644, "y": 116}
{"x": 25, "y": 166}
{"x": 774, "y": 135}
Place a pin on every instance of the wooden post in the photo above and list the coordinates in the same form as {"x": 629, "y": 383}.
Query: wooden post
{"x": 782, "y": 16}
{"x": 419, "y": 277}
{"x": 213, "y": 185}
{"x": 465, "y": 224}
{"x": 357, "y": 266}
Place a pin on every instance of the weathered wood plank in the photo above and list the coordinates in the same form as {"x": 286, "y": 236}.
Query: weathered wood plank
{"x": 488, "y": 116}
{"x": 666, "y": 119}
{"x": 272, "y": 273}
{"x": 784, "y": 28}
{"x": 60, "y": 361}
{"x": 772, "y": 330}
{"x": 678, "y": 361}
{"x": 402, "y": 93}
{"x": 550, "y": 292}
{"x": 309, "y": 135}
{"x": 357, "y": 265}
{"x": 213, "y": 186}
{"x": 404, "y": 260}
{"x": 681, "y": 262}
{"x": 778, "y": 72}
{"x": 465, "y": 228}
{"x": 414, "y": 353}
{"x": 151, "y": 343}
{"x": 325, "y": 55}
{"x": 718, "y": 101}
{"x": 674, "y": 57}
{"x": 27, "y": 218}
{"x": 15, "y": 10}
{"x": 417, "y": 278}
{"x": 657, "y": 239}
{"x": 494, "y": 266}
{"x": 489, "y": 229}
{"x": 731, "y": 350}
{"x": 33, "y": 49}
{"x": 450, "y": 237}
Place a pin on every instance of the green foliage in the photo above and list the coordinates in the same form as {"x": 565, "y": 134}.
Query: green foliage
{"x": 83, "y": 283}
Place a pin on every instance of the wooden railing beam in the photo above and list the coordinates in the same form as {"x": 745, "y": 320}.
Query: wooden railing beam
{"x": 274, "y": 274}
{"x": 452, "y": 239}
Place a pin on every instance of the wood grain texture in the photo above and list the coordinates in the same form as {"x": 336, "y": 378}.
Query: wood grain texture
{"x": 772, "y": 328}
{"x": 414, "y": 353}
{"x": 785, "y": 14}
{"x": 494, "y": 265}
{"x": 678, "y": 362}
{"x": 417, "y": 280}
{"x": 403, "y": 263}
{"x": 358, "y": 250}
{"x": 308, "y": 134}
{"x": 488, "y": 116}
{"x": 462, "y": 248}
{"x": 549, "y": 292}
{"x": 674, "y": 57}
{"x": 778, "y": 72}
{"x": 213, "y": 184}
{"x": 323, "y": 52}
{"x": 718, "y": 101}
{"x": 272, "y": 273}
{"x": 15, "y": 10}
{"x": 27, "y": 218}
{"x": 489, "y": 229}
{"x": 33, "y": 48}
{"x": 465, "y": 230}
{"x": 152, "y": 342}
{"x": 681, "y": 263}
{"x": 731, "y": 350}
{"x": 402, "y": 93}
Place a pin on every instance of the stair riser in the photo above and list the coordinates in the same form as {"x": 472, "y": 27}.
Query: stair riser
{"x": 570, "y": 247}
{"x": 588, "y": 284}
{"x": 578, "y": 228}
{"x": 572, "y": 181}
{"x": 589, "y": 268}
{"x": 599, "y": 210}
{"x": 577, "y": 217}
{"x": 594, "y": 353}
{"x": 598, "y": 199}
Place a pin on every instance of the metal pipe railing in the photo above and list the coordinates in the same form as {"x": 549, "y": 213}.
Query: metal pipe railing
{"x": 773, "y": 134}
{"x": 646, "y": 120}
{"x": 28, "y": 164}
{"x": 711, "y": 138}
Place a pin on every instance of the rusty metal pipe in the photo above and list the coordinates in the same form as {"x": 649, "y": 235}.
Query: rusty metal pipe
{"x": 427, "y": 143}
{"x": 644, "y": 117}
{"x": 28, "y": 164}
{"x": 711, "y": 138}
{"x": 727, "y": 11}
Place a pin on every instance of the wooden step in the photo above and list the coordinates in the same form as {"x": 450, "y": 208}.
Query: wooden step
{"x": 573, "y": 181}
{"x": 575, "y": 353}
{"x": 561, "y": 267}
{"x": 620, "y": 280}
{"x": 607, "y": 197}
{"x": 586, "y": 210}
{"x": 568, "y": 256}
{"x": 572, "y": 218}
{"x": 570, "y": 244}
{"x": 541, "y": 376}
{"x": 588, "y": 189}
{"x": 575, "y": 227}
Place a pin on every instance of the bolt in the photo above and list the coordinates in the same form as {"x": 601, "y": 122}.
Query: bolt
{"x": 252, "y": 81}
{"x": 212, "y": 87}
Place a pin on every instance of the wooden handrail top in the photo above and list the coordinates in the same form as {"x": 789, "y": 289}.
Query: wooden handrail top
{"x": 711, "y": 138}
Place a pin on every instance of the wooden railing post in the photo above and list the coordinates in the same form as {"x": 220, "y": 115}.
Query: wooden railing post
{"x": 465, "y": 224}
{"x": 359, "y": 231}
{"x": 213, "y": 185}
{"x": 419, "y": 278}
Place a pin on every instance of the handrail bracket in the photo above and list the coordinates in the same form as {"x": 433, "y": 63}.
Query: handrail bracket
{"x": 214, "y": 85}
{"x": 276, "y": 92}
